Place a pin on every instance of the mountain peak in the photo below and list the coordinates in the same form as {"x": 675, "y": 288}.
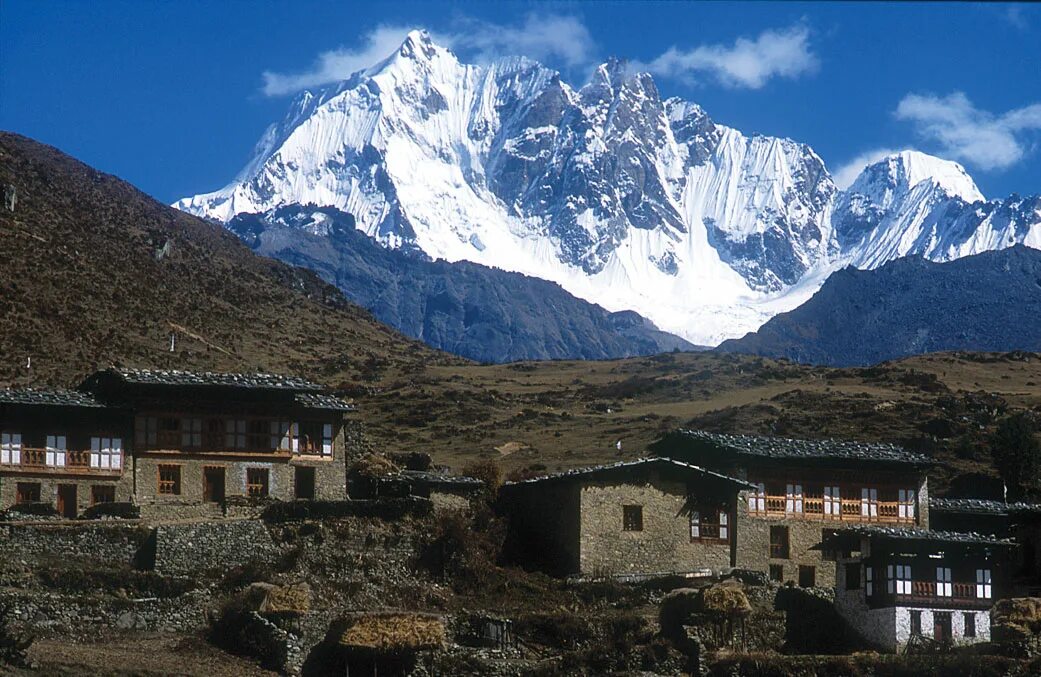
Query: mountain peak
{"x": 900, "y": 172}
{"x": 417, "y": 45}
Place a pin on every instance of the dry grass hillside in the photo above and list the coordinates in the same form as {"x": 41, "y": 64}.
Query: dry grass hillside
{"x": 550, "y": 415}
{"x": 95, "y": 272}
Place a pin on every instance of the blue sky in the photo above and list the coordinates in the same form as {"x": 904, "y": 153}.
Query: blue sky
{"x": 172, "y": 96}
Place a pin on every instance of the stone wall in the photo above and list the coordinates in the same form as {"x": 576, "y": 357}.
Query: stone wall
{"x": 662, "y": 546}
{"x": 207, "y": 546}
{"x": 25, "y": 544}
{"x": 753, "y": 545}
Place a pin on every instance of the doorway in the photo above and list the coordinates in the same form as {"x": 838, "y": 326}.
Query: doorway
{"x": 304, "y": 484}
{"x": 67, "y": 501}
{"x": 942, "y": 626}
{"x": 213, "y": 484}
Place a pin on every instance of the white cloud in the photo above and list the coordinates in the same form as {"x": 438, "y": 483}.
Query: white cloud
{"x": 748, "y": 63}
{"x": 338, "y": 64}
{"x": 551, "y": 38}
{"x": 847, "y": 173}
{"x": 967, "y": 133}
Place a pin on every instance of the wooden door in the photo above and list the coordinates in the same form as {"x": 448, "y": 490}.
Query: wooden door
{"x": 67, "y": 501}
{"x": 213, "y": 484}
{"x": 942, "y": 626}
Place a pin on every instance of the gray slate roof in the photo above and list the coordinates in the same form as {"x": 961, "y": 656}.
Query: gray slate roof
{"x": 638, "y": 463}
{"x": 780, "y": 447}
{"x": 323, "y": 401}
{"x": 981, "y": 506}
{"x": 176, "y": 377}
{"x": 917, "y": 534}
{"x": 54, "y": 398}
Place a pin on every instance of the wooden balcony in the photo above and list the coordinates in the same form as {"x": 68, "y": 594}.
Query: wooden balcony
{"x": 843, "y": 510}
{"x": 77, "y": 462}
{"x": 923, "y": 593}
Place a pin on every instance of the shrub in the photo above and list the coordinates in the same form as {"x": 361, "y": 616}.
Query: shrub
{"x": 1017, "y": 453}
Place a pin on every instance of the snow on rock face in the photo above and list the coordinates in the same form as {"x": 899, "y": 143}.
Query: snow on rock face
{"x": 622, "y": 198}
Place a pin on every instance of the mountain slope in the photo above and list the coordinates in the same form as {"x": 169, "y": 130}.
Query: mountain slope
{"x": 467, "y": 309}
{"x": 625, "y": 199}
{"x": 986, "y": 302}
{"x": 96, "y": 272}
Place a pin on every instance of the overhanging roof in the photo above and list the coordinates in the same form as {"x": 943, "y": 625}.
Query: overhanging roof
{"x": 628, "y": 467}
{"x": 842, "y": 538}
{"x": 760, "y": 446}
{"x": 176, "y": 377}
{"x": 53, "y": 398}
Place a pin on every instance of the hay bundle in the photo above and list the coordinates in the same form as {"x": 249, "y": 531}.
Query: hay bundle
{"x": 726, "y": 600}
{"x": 1016, "y": 618}
{"x": 374, "y": 466}
{"x": 287, "y": 599}
{"x": 395, "y": 631}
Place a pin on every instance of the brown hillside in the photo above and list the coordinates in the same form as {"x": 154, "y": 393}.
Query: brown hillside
{"x": 95, "y": 272}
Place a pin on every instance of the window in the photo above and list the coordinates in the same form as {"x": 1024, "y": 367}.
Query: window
{"x": 257, "y": 434}
{"x": 757, "y": 498}
{"x": 916, "y": 622}
{"x": 984, "y": 589}
{"x": 327, "y": 439}
{"x": 191, "y": 433}
{"x": 869, "y": 581}
{"x": 970, "y": 624}
{"x": 56, "y": 451}
{"x": 779, "y": 542}
{"x": 632, "y": 518}
{"x": 807, "y": 576}
{"x": 710, "y": 524}
{"x": 793, "y": 498}
{"x": 235, "y": 434}
{"x": 170, "y": 480}
{"x": 899, "y": 579}
{"x": 27, "y": 492}
{"x": 943, "y": 582}
{"x": 905, "y": 504}
{"x": 777, "y": 573}
{"x": 146, "y": 430}
{"x": 102, "y": 493}
{"x": 832, "y": 502}
{"x": 106, "y": 453}
{"x": 11, "y": 448}
{"x": 257, "y": 482}
{"x": 284, "y": 436}
{"x": 853, "y": 576}
{"x": 869, "y": 503}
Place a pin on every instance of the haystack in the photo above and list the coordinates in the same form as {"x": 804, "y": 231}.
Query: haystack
{"x": 395, "y": 631}
{"x": 286, "y": 600}
{"x": 1016, "y": 618}
{"x": 373, "y": 466}
{"x": 726, "y": 600}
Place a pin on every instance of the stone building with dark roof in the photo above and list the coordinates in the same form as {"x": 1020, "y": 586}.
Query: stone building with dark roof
{"x": 892, "y": 583}
{"x": 803, "y": 487}
{"x": 177, "y": 443}
{"x": 62, "y": 447}
{"x": 633, "y": 519}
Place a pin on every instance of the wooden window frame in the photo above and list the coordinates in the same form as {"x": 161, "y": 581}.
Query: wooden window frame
{"x": 776, "y": 572}
{"x": 968, "y": 624}
{"x": 704, "y": 530}
{"x": 776, "y": 551}
{"x": 258, "y": 487}
{"x": 915, "y": 621}
{"x": 33, "y": 488}
{"x": 852, "y": 582}
{"x": 171, "y": 486}
{"x": 984, "y": 584}
{"x": 809, "y": 571}
{"x": 106, "y": 488}
{"x": 632, "y": 517}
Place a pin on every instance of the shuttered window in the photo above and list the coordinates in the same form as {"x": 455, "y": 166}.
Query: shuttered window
{"x": 11, "y": 448}
{"x": 56, "y": 451}
{"x": 984, "y": 588}
{"x": 106, "y": 453}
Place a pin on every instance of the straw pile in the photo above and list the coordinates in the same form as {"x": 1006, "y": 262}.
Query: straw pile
{"x": 395, "y": 631}
{"x": 374, "y": 466}
{"x": 1016, "y": 618}
{"x": 726, "y": 600}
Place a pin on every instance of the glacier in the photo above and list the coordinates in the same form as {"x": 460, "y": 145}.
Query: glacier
{"x": 624, "y": 199}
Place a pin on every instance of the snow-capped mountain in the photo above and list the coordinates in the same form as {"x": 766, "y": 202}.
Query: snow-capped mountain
{"x": 624, "y": 199}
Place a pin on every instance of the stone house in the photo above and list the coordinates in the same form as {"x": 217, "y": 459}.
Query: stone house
{"x": 637, "y": 518}
{"x": 892, "y": 584}
{"x": 804, "y": 487}
{"x": 62, "y": 447}
{"x": 177, "y": 443}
